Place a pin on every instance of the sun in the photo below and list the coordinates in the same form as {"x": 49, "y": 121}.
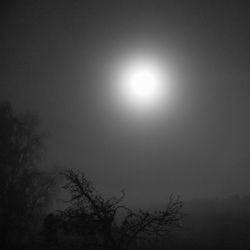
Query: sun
{"x": 141, "y": 86}
{"x": 143, "y": 83}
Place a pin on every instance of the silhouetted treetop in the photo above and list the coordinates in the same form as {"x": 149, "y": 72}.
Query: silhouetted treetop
{"x": 106, "y": 223}
{"x": 24, "y": 189}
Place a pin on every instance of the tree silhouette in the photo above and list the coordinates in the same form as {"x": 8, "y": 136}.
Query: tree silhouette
{"x": 107, "y": 224}
{"x": 23, "y": 189}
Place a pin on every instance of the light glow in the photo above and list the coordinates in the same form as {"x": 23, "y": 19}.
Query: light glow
{"x": 143, "y": 84}
{"x": 141, "y": 87}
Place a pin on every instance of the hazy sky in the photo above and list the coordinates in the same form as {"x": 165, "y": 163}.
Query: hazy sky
{"x": 57, "y": 61}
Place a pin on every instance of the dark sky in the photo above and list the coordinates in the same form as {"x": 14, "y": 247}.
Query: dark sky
{"x": 54, "y": 57}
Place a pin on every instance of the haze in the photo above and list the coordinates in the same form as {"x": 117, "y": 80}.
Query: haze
{"x": 60, "y": 60}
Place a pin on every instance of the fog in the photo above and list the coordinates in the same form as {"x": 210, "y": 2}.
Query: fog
{"x": 64, "y": 62}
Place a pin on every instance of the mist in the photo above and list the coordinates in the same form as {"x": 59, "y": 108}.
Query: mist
{"x": 68, "y": 62}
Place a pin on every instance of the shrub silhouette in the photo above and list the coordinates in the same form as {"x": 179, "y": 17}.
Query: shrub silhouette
{"x": 93, "y": 222}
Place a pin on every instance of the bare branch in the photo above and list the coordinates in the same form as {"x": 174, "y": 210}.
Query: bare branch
{"x": 89, "y": 211}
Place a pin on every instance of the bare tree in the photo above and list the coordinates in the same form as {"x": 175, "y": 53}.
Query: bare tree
{"x": 24, "y": 190}
{"x": 95, "y": 219}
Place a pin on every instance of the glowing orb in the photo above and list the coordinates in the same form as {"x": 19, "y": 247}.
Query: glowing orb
{"x": 143, "y": 84}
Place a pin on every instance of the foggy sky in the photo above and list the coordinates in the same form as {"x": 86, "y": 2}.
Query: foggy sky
{"x": 54, "y": 63}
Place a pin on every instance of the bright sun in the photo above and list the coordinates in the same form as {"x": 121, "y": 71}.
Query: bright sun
{"x": 143, "y": 83}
